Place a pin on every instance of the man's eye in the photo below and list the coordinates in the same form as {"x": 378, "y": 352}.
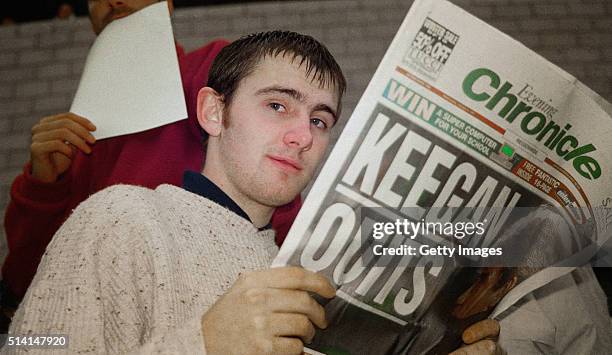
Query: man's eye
{"x": 277, "y": 107}
{"x": 319, "y": 123}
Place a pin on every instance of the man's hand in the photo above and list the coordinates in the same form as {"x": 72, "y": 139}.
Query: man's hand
{"x": 54, "y": 143}
{"x": 479, "y": 339}
{"x": 267, "y": 312}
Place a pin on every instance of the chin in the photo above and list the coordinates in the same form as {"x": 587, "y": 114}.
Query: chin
{"x": 274, "y": 191}
{"x": 278, "y": 201}
{"x": 278, "y": 198}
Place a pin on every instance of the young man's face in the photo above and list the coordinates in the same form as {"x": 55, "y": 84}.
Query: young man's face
{"x": 103, "y": 12}
{"x": 277, "y": 128}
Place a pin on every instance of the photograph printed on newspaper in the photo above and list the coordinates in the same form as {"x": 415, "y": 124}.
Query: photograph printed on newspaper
{"x": 469, "y": 167}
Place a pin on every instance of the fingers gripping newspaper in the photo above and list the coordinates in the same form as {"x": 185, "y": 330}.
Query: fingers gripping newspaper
{"x": 464, "y": 129}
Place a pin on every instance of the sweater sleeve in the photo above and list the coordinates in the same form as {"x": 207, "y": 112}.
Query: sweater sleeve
{"x": 187, "y": 339}
{"x": 95, "y": 284}
{"x": 35, "y": 212}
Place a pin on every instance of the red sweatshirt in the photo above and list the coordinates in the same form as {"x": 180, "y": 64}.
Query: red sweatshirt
{"x": 148, "y": 158}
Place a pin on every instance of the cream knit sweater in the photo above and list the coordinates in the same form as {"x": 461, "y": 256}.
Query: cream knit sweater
{"x": 134, "y": 270}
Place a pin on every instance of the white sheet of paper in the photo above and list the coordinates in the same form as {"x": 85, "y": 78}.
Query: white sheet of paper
{"x": 131, "y": 81}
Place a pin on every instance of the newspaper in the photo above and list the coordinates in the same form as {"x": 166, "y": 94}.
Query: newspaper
{"x": 460, "y": 125}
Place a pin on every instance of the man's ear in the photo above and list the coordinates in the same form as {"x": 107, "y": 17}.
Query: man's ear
{"x": 210, "y": 111}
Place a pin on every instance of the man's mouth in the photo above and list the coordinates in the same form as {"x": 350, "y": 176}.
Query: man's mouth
{"x": 286, "y": 163}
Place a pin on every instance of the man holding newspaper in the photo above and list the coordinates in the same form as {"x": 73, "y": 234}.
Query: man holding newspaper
{"x": 175, "y": 270}
{"x": 177, "y": 291}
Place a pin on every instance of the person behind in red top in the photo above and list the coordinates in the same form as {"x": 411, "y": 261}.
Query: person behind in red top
{"x": 67, "y": 165}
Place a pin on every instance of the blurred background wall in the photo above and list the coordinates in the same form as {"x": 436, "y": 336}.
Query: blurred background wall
{"x": 40, "y": 62}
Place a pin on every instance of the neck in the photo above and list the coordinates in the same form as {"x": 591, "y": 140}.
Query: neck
{"x": 259, "y": 214}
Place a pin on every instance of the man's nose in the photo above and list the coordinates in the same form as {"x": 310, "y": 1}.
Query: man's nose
{"x": 299, "y": 134}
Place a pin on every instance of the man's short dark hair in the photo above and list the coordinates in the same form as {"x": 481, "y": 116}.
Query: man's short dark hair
{"x": 238, "y": 60}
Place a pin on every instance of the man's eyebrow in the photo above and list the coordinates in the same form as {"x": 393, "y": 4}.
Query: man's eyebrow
{"x": 325, "y": 108}
{"x": 281, "y": 90}
{"x": 297, "y": 96}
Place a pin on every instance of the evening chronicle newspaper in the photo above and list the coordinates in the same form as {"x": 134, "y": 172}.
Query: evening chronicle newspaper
{"x": 471, "y": 172}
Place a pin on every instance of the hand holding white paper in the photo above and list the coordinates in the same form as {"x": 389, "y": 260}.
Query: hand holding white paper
{"x": 131, "y": 81}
